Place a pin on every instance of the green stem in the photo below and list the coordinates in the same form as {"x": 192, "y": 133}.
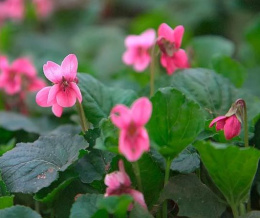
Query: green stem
{"x": 242, "y": 209}
{"x": 83, "y": 119}
{"x": 245, "y": 125}
{"x": 136, "y": 170}
{"x": 152, "y": 71}
{"x": 37, "y": 206}
{"x": 166, "y": 179}
{"x": 234, "y": 210}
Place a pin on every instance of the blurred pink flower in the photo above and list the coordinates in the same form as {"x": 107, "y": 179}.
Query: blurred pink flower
{"x": 20, "y": 76}
{"x": 43, "y": 7}
{"x": 230, "y": 124}
{"x": 15, "y": 9}
{"x": 169, "y": 40}
{"x": 65, "y": 91}
{"x": 133, "y": 139}
{"x": 119, "y": 183}
{"x": 137, "y": 53}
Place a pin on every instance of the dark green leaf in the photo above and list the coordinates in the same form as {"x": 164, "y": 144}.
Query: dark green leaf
{"x": 94, "y": 165}
{"x": 231, "y": 168}
{"x": 176, "y": 121}
{"x": 30, "y": 167}
{"x": 187, "y": 161}
{"x": 193, "y": 198}
{"x": 18, "y": 211}
{"x": 98, "y": 100}
{"x": 204, "y": 48}
{"x": 230, "y": 69}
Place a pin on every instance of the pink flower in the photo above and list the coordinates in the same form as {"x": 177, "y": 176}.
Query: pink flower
{"x": 43, "y": 7}
{"x": 230, "y": 124}
{"x": 65, "y": 91}
{"x": 20, "y": 76}
{"x": 133, "y": 139}
{"x": 15, "y": 9}
{"x": 169, "y": 40}
{"x": 137, "y": 53}
{"x": 119, "y": 183}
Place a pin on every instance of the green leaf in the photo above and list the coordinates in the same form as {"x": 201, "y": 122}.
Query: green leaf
{"x": 204, "y": 48}
{"x": 230, "y": 69}
{"x": 193, "y": 197}
{"x": 18, "y": 211}
{"x": 109, "y": 135}
{"x": 98, "y": 100}
{"x": 30, "y": 167}
{"x": 93, "y": 165}
{"x": 116, "y": 205}
{"x": 85, "y": 206}
{"x": 176, "y": 121}
{"x": 252, "y": 214}
{"x": 231, "y": 168}
{"x": 50, "y": 193}
{"x": 139, "y": 211}
{"x": 187, "y": 161}
{"x": 3, "y": 188}
{"x": 6, "y": 201}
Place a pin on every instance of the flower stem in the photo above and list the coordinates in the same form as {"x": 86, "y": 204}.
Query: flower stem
{"x": 83, "y": 119}
{"x": 242, "y": 209}
{"x": 245, "y": 126}
{"x": 166, "y": 178}
{"x": 136, "y": 170}
{"x": 234, "y": 210}
{"x": 152, "y": 71}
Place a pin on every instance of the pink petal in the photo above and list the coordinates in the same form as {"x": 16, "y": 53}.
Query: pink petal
{"x": 131, "y": 40}
{"x": 178, "y": 34}
{"x": 217, "y": 119}
{"x": 3, "y": 62}
{"x": 52, "y": 71}
{"x": 13, "y": 86}
{"x": 142, "y": 62}
{"x": 77, "y": 91}
{"x": 36, "y": 84}
{"x": 232, "y": 127}
{"x": 69, "y": 67}
{"x": 133, "y": 147}
{"x": 180, "y": 59}
{"x": 129, "y": 56}
{"x": 165, "y": 31}
{"x": 57, "y": 110}
{"x": 138, "y": 197}
{"x": 168, "y": 63}
{"x": 24, "y": 66}
{"x": 66, "y": 98}
{"x": 147, "y": 38}
{"x": 121, "y": 116}
{"x": 53, "y": 94}
{"x": 42, "y": 97}
{"x": 141, "y": 111}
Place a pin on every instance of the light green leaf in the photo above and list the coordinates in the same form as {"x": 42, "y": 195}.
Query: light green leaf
{"x": 6, "y": 201}
{"x": 231, "y": 168}
{"x": 176, "y": 121}
{"x": 30, "y": 167}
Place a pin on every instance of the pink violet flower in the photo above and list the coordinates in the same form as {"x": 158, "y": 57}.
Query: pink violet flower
{"x": 18, "y": 77}
{"x": 15, "y": 9}
{"x": 169, "y": 40}
{"x": 119, "y": 183}
{"x": 137, "y": 53}
{"x": 230, "y": 124}
{"x": 133, "y": 139}
{"x": 64, "y": 91}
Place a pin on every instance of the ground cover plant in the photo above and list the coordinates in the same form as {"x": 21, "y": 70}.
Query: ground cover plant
{"x": 129, "y": 108}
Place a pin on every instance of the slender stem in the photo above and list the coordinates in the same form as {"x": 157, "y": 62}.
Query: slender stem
{"x": 37, "y": 206}
{"x": 152, "y": 71}
{"x": 242, "y": 209}
{"x": 83, "y": 119}
{"x": 136, "y": 170}
{"x": 245, "y": 126}
{"x": 234, "y": 210}
{"x": 166, "y": 178}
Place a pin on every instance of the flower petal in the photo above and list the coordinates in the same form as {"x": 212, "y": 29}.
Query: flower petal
{"x": 120, "y": 116}
{"x": 69, "y": 67}
{"x": 217, "y": 119}
{"x": 180, "y": 59}
{"x": 168, "y": 63}
{"x": 36, "y": 84}
{"x": 52, "y": 71}
{"x": 66, "y": 98}
{"x": 142, "y": 62}
{"x": 42, "y": 97}
{"x": 53, "y": 94}
{"x": 57, "y": 110}
{"x": 165, "y": 31}
{"x": 232, "y": 127}
{"x": 77, "y": 91}
{"x": 138, "y": 197}
{"x": 3, "y": 62}
{"x": 24, "y": 66}
{"x": 129, "y": 56}
{"x": 131, "y": 40}
{"x": 141, "y": 111}
{"x": 147, "y": 38}
{"x": 178, "y": 34}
